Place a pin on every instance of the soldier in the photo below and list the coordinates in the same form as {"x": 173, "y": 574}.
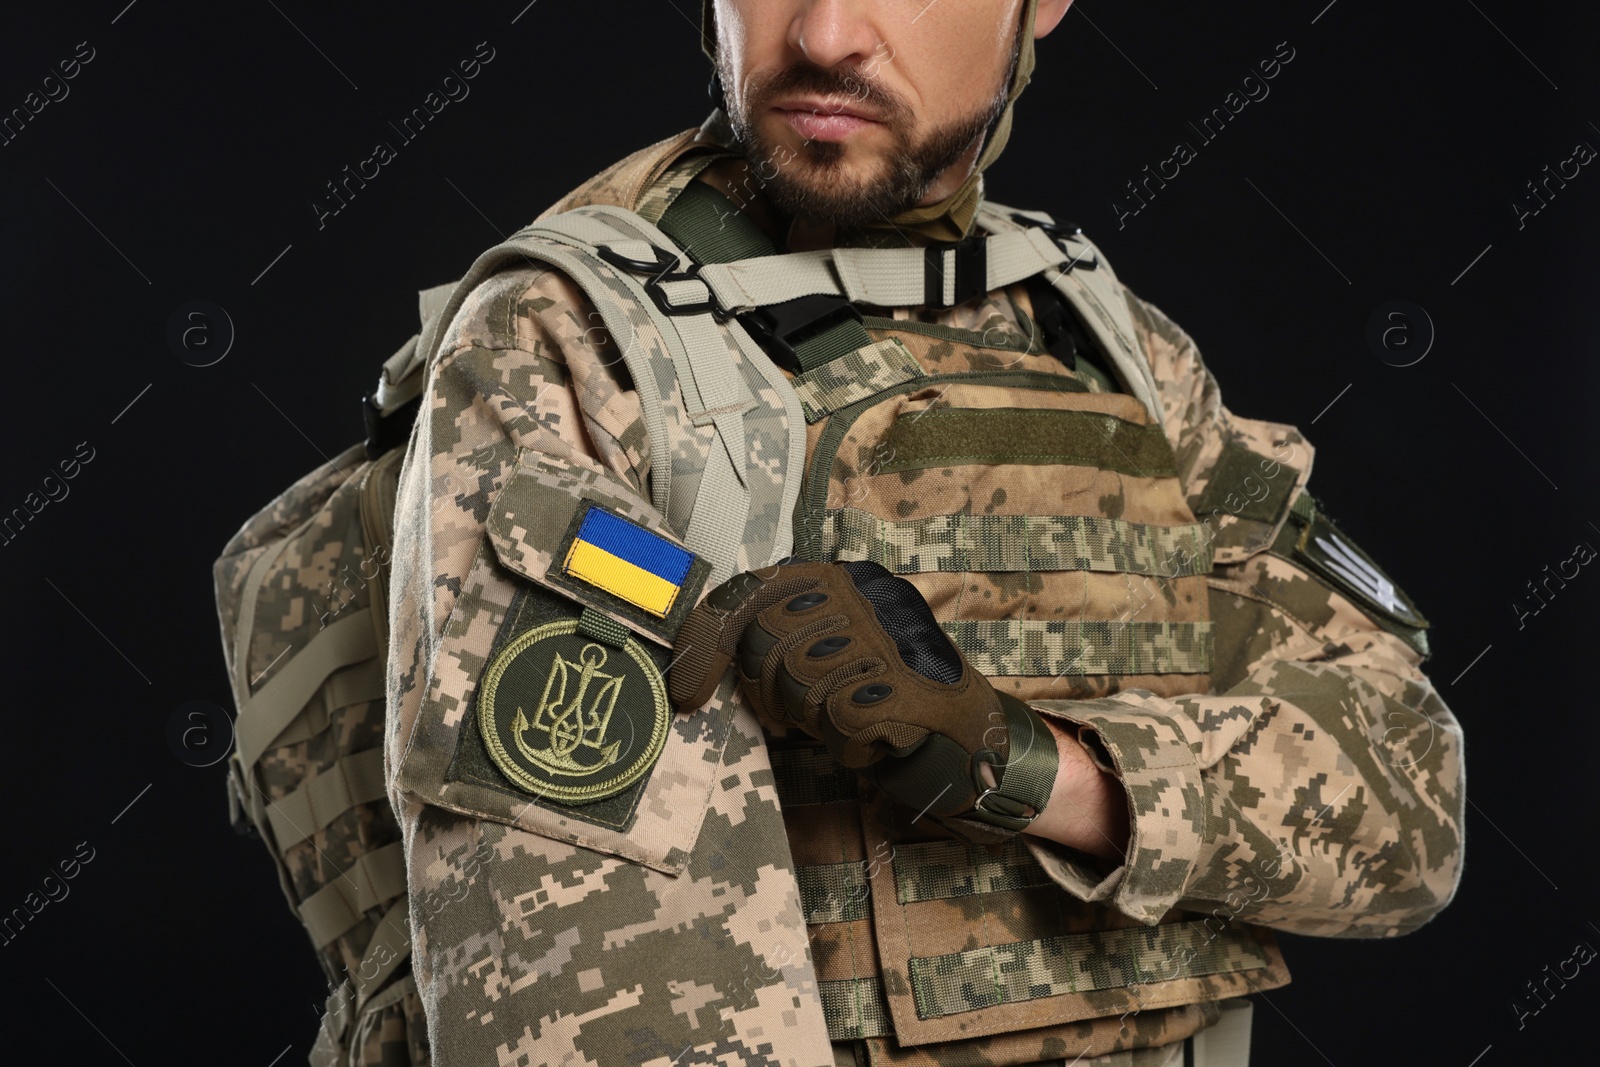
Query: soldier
{"x": 970, "y": 538}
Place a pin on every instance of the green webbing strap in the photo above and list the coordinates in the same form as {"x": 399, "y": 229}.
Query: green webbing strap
{"x": 807, "y": 774}
{"x": 945, "y": 870}
{"x": 1025, "y": 781}
{"x": 263, "y": 717}
{"x": 975, "y": 542}
{"x": 389, "y": 948}
{"x": 712, "y": 229}
{"x": 1075, "y": 963}
{"x": 948, "y": 437}
{"x": 1035, "y": 648}
{"x": 855, "y": 1008}
{"x": 833, "y": 892}
{"x": 838, "y": 340}
{"x": 354, "y": 779}
{"x": 373, "y": 878}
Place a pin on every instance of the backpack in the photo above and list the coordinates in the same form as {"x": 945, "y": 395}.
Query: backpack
{"x": 302, "y": 587}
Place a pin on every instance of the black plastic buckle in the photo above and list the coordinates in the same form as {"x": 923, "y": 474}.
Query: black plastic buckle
{"x": 781, "y": 327}
{"x": 971, "y": 274}
{"x": 1059, "y": 232}
{"x": 387, "y": 431}
{"x": 659, "y": 271}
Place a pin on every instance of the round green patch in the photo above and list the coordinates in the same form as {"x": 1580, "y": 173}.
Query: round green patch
{"x": 570, "y": 718}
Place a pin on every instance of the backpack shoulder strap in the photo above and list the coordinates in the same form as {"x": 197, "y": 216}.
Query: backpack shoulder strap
{"x": 691, "y": 375}
{"x": 1092, "y": 288}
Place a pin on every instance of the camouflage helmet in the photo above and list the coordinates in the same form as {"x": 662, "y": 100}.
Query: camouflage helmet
{"x": 951, "y": 217}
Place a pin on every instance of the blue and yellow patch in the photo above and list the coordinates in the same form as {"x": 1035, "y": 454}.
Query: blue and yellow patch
{"x": 628, "y": 561}
{"x": 636, "y": 574}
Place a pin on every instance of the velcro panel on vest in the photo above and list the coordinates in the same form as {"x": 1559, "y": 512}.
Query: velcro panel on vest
{"x": 585, "y": 535}
{"x": 1242, "y": 488}
{"x": 947, "y": 437}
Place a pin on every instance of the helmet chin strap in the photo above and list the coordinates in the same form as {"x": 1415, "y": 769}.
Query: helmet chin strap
{"x": 951, "y": 218}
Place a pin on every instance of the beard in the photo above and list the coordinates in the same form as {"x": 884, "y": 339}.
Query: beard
{"x": 814, "y": 180}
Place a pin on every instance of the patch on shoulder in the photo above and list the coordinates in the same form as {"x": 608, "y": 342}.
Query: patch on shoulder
{"x": 571, "y": 712}
{"x": 1312, "y": 539}
{"x": 614, "y": 562}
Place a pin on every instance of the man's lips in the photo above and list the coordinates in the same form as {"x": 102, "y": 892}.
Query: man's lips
{"x": 818, "y": 119}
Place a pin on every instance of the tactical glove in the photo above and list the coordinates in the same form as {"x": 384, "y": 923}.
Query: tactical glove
{"x": 852, "y": 655}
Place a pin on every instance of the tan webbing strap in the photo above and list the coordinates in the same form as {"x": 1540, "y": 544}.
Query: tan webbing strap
{"x": 389, "y": 948}
{"x": 375, "y": 877}
{"x": 356, "y": 685}
{"x": 714, "y": 392}
{"x": 356, "y": 778}
{"x": 1099, "y": 297}
{"x": 399, "y": 381}
{"x": 883, "y": 277}
{"x": 763, "y": 280}
{"x": 392, "y": 994}
{"x": 263, "y": 717}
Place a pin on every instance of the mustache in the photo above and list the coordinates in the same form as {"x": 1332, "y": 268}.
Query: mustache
{"x": 854, "y": 88}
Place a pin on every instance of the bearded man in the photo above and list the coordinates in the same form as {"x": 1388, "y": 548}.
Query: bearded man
{"x": 835, "y": 622}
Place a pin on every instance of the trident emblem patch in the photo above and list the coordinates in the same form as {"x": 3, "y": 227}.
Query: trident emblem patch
{"x": 568, "y": 725}
{"x": 568, "y": 718}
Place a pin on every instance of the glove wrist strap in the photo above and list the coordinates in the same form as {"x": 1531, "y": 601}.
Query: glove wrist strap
{"x": 1024, "y": 782}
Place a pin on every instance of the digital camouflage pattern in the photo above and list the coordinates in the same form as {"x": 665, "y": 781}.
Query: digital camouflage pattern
{"x": 760, "y": 903}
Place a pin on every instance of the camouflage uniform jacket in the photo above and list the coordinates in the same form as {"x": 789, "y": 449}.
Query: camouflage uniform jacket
{"x": 1287, "y": 764}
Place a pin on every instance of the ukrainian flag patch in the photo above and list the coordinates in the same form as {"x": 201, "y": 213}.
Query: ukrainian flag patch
{"x": 629, "y": 562}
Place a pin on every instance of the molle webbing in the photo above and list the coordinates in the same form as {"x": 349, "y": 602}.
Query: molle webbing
{"x": 926, "y": 873}
{"x": 1072, "y": 963}
{"x": 1046, "y": 648}
{"x": 968, "y": 542}
{"x": 949, "y": 437}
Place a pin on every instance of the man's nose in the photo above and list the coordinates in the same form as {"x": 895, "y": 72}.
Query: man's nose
{"x": 831, "y": 32}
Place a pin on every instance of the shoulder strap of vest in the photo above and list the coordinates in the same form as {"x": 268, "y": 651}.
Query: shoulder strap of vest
{"x": 1093, "y": 290}
{"x": 1019, "y": 246}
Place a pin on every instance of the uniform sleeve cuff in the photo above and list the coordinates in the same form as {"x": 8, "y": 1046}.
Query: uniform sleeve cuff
{"x": 1152, "y": 750}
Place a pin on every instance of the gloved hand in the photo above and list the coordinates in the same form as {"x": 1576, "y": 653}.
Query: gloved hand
{"x": 852, "y": 655}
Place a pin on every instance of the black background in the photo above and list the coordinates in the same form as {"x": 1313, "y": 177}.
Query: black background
{"x": 183, "y": 166}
